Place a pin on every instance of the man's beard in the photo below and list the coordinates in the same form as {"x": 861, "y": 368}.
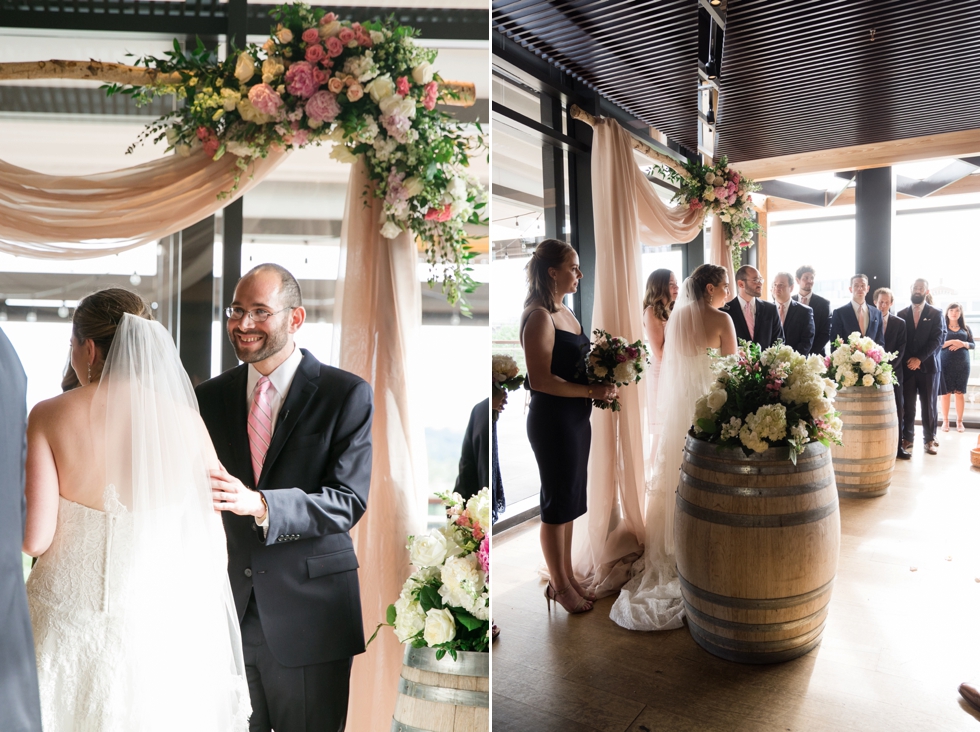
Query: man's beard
{"x": 917, "y": 298}
{"x": 275, "y": 341}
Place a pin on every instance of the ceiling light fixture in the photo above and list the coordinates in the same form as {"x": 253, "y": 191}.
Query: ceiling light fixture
{"x": 710, "y": 117}
{"x": 716, "y": 2}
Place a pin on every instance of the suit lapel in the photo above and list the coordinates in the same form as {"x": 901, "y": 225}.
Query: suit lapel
{"x": 735, "y": 311}
{"x": 237, "y": 410}
{"x": 300, "y": 393}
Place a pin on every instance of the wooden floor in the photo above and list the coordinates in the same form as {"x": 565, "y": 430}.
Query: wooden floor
{"x": 898, "y": 642}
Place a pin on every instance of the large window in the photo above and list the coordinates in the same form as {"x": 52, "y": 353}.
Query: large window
{"x": 825, "y": 244}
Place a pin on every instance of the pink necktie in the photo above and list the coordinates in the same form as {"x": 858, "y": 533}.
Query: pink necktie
{"x": 749, "y": 319}
{"x": 805, "y": 300}
{"x": 260, "y": 425}
{"x": 884, "y": 325}
{"x": 863, "y": 319}
{"x": 782, "y": 314}
{"x": 916, "y": 311}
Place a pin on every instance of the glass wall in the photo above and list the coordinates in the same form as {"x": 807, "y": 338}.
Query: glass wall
{"x": 825, "y": 244}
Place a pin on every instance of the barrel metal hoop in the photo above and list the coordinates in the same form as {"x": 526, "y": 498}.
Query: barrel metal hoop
{"x": 753, "y": 521}
{"x": 441, "y": 695}
{"x": 397, "y": 726}
{"x": 469, "y": 663}
{"x": 766, "y": 603}
{"x": 864, "y": 473}
{"x": 752, "y": 491}
{"x": 878, "y": 426}
{"x": 742, "y": 466}
{"x": 754, "y": 627}
{"x": 708, "y": 641}
{"x": 873, "y": 392}
{"x": 879, "y": 413}
{"x": 862, "y": 461}
{"x": 866, "y": 491}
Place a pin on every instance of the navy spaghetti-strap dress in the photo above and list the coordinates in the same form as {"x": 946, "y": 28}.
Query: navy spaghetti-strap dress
{"x": 560, "y": 434}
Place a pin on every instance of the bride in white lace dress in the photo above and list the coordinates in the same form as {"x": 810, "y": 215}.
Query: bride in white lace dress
{"x": 651, "y": 600}
{"x": 133, "y": 618}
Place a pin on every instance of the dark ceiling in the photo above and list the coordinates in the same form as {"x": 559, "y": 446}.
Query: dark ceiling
{"x": 639, "y": 54}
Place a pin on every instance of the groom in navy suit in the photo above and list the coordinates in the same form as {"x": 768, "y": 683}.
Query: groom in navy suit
{"x": 857, "y": 315}
{"x": 294, "y": 439}
{"x": 755, "y": 320}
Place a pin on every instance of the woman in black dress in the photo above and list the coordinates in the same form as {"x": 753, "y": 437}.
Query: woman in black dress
{"x": 955, "y": 364}
{"x": 555, "y": 350}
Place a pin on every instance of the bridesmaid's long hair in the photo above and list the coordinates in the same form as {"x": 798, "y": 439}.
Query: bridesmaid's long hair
{"x": 98, "y": 315}
{"x": 960, "y": 320}
{"x": 549, "y": 253}
{"x": 707, "y": 274}
{"x": 658, "y": 294}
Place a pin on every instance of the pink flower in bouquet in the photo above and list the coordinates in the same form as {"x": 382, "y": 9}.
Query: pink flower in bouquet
{"x": 323, "y": 107}
{"x": 298, "y": 138}
{"x": 621, "y": 358}
{"x": 355, "y": 91}
{"x": 439, "y": 214}
{"x": 827, "y": 361}
{"x": 483, "y": 555}
{"x": 631, "y": 352}
{"x": 315, "y": 53}
{"x": 736, "y": 178}
{"x": 396, "y": 191}
{"x": 268, "y": 46}
{"x": 431, "y": 95}
{"x": 311, "y": 35}
{"x": 695, "y": 204}
{"x": 397, "y": 126}
{"x": 300, "y": 80}
{"x": 203, "y": 133}
{"x": 328, "y": 18}
{"x": 265, "y": 99}
{"x": 211, "y": 146}
{"x": 463, "y": 520}
{"x": 875, "y": 355}
{"x": 321, "y": 77}
{"x": 401, "y": 86}
{"x": 336, "y": 85}
{"x": 346, "y": 36}
{"x": 363, "y": 39}
{"x": 745, "y": 244}
{"x": 721, "y": 193}
{"x": 334, "y": 47}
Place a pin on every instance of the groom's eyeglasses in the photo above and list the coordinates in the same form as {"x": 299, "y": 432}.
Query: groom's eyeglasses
{"x": 257, "y": 316}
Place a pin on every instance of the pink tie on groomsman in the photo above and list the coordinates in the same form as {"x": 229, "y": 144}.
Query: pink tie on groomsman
{"x": 863, "y": 319}
{"x": 749, "y": 319}
{"x": 782, "y": 313}
{"x": 260, "y": 425}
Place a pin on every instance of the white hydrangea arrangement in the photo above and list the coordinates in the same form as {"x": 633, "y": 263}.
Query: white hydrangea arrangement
{"x": 771, "y": 398}
{"x": 860, "y": 362}
{"x": 445, "y": 603}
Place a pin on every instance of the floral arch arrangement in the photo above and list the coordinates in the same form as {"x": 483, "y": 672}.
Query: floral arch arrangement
{"x": 368, "y": 88}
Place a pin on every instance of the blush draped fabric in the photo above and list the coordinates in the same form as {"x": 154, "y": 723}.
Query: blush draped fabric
{"x": 77, "y": 217}
{"x": 628, "y": 214}
{"x": 380, "y": 301}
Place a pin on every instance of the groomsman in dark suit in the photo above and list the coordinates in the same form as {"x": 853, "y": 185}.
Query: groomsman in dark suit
{"x": 820, "y": 307}
{"x": 895, "y": 336}
{"x": 857, "y": 315}
{"x": 755, "y": 320}
{"x": 796, "y": 319}
{"x": 20, "y": 706}
{"x": 926, "y": 332}
{"x": 294, "y": 439}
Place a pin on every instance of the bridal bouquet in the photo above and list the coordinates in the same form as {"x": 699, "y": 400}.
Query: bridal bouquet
{"x": 771, "y": 398}
{"x": 720, "y": 190}
{"x": 506, "y": 374}
{"x": 445, "y": 604}
{"x": 860, "y": 362}
{"x": 367, "y": 88}
{"x": 614, "y": 360}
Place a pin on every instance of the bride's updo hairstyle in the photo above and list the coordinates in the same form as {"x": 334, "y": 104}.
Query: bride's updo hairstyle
{"x": 549, "y": 253}
{"x": 98, "y": 315}
{"x": 658, "y": 294}
{"x": 707, "y": 274}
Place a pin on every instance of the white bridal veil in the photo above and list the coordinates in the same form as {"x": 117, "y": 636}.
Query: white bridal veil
{"x": 182, "y": 665}
{"x": 651, "y": 600}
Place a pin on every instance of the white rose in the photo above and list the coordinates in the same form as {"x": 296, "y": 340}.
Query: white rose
{"x": 868, "y": 366}
{"x": 244, "y": 68}
{"x": 330, "y": 29}
{"x": 868, "y": 380}
{"x": 230, "y": 99}
{"x": 380, "y": 88}
{"x": 422, "y": 74}
{"x": 409, "y": 618}
{"x": 377, "y": 37}
{"x": 341, "y": 154}
{"x": 428, "y": 550}
{"x": 272, "y": 68}
{"x": 390, "y": 230}
{"x": 819, "y": 408}
{"x": 397, "y": 106}
{"x": 709, "y": 195}
{"x": 440, "y": 627}
{"x": 478, "y": 507}
{"x": 240, "y": 149}
{"x": 717, "y": 399}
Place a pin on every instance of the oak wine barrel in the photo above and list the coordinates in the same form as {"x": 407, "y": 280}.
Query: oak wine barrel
{"x": 863, "y": 465}
{"x": 757, "y": 541}
{"x": 443, "y": 695}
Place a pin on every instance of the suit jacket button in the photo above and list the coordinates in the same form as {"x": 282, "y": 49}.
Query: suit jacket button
{"x": 248, "y": 572}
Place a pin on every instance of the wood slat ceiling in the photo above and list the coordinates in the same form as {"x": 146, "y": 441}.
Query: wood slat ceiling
{"x": 803, "y": 76}
{"x": 640, "y": 54}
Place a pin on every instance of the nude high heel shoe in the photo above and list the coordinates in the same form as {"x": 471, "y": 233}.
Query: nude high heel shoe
{"x": 561, "y": 597}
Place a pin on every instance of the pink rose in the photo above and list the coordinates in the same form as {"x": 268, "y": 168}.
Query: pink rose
{"x": 745, "y": 244}
{"x": 321, "y": 77}
{"x": 265, "y": 99}
{"x": 323, "y": 107}
{"x": 315, "y": 53}
{"x": 401, "y": 86}
{"x": 721, "y": 193}
{"x": 328, "y": 18}
{"x": 694, "y": 204}
{"x": 203, "y": 133}
{"x": 335, "y": 85}
{"x": 355, "y": 92}
{"x": 483, "y": 555}
{"x": 300, "y": 80}
{"x": 363, "y": 39}
{"x": 298, "y": 138}
{"x": 311, "y": 35}
{"x": 334, "y": 47}
{"x": 345, "y": 36}
{"x": 431, "y": 95}
{"x": 438, "y": 214}
{"x": 211, "y": 146}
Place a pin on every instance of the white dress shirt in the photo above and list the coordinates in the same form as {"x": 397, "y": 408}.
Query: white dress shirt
{"x": 805, "y": 300}
{"x": 751, "y": 303}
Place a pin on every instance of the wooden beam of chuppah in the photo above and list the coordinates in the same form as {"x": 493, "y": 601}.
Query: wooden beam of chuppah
{"x": 580, "y": 114}
{"x": 112, "y": 73}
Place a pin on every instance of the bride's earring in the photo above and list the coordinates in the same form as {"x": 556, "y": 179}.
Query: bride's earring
{"x": 554, "y": 286}
{"x": 90, "y": 373}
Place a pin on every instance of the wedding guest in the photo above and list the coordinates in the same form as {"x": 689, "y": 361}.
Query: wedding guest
{"x": 474, "y": 461}
{"x": 658, "y": 301}
{"x": 20, "y": 705}
{"x": 893, "y": 328}
{"x": 755, "y": 320}
{"x": 925, "y": 335}
{"x": 819, "y": 305}
{"x": 955, "y": 361}
{"x": 796, "y": 318}
{"x": 856, "y": 316}
{"x": 558, "y": 428}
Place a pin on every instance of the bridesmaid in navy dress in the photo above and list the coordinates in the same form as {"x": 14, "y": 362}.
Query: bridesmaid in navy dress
{"x": 955, "y": 364}
{"x": 555, "y": 351}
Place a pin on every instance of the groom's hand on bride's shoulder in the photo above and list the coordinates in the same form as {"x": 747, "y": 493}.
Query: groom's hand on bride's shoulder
{"x": 229, "y": 494}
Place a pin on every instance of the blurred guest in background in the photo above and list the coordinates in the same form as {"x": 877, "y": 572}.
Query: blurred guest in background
{"x": 895, "y": 335}
{"x": 796, "y": 318}
{"x": 819, "y": 305}
{"x": 955, "y": 363}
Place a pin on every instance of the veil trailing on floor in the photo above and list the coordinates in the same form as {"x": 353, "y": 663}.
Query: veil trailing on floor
{"x": 651, "y": 600}
{"x": 181, "y": 657}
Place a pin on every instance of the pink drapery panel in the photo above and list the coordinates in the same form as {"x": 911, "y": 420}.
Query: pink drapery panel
{"x": 380, "y": 300}
{"x": 77, "y": 217}
{"x": 628, "y": 213}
